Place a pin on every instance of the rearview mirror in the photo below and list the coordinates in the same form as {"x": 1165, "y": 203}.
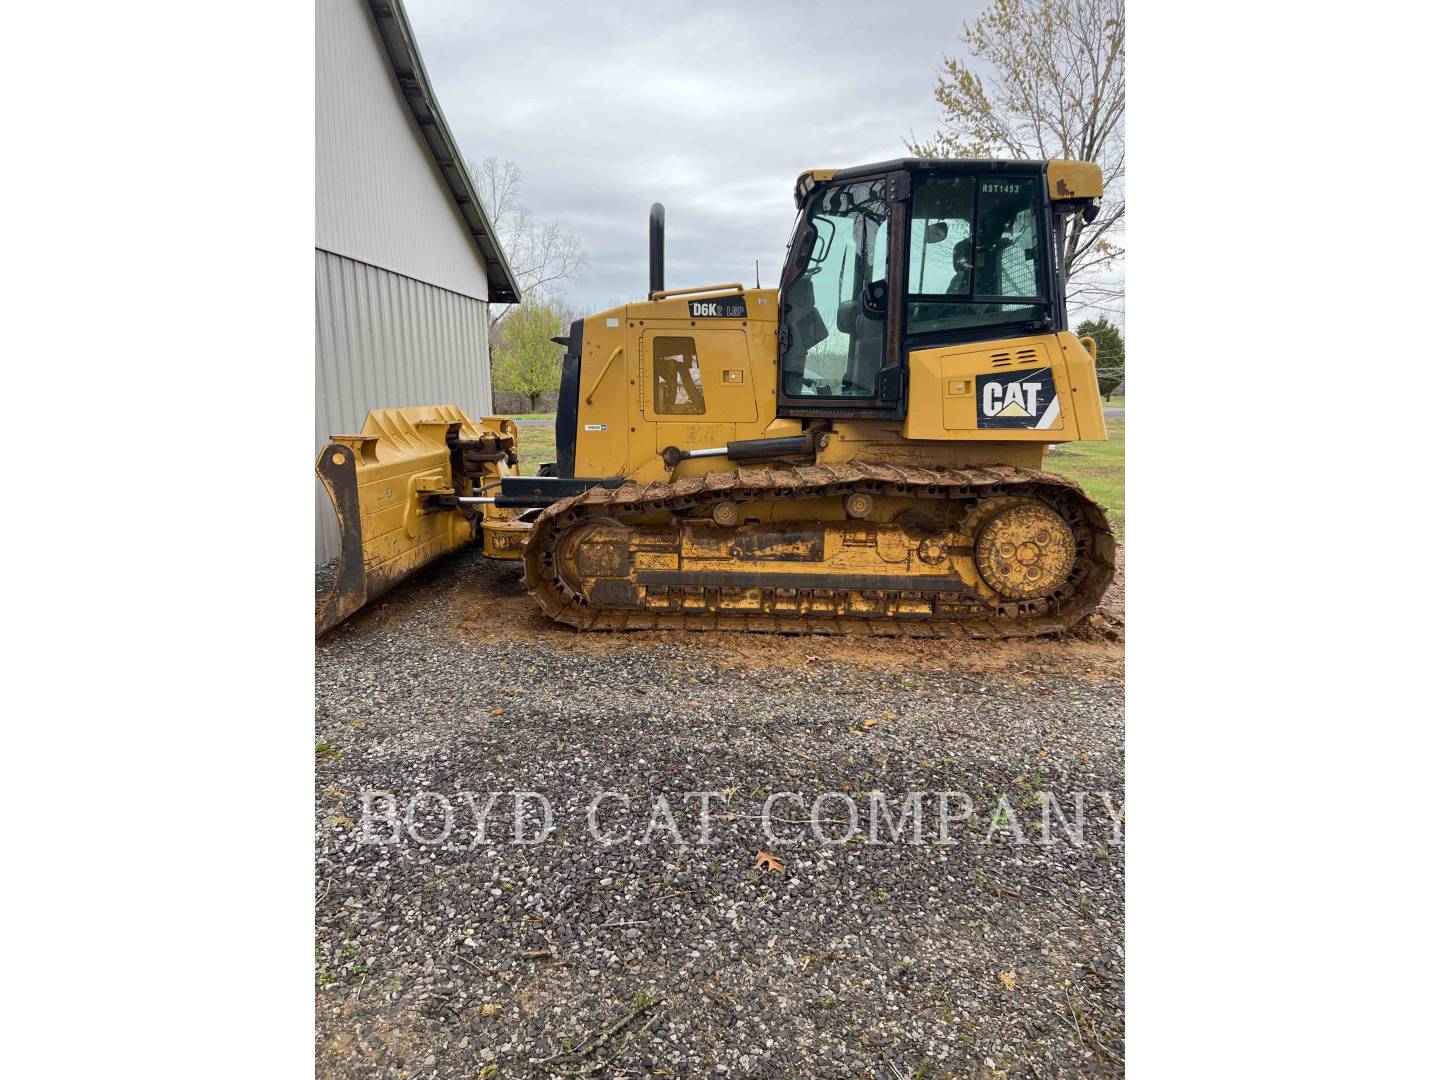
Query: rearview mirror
{"x": 936, "y": 231}
{"x": 804, "y": 246}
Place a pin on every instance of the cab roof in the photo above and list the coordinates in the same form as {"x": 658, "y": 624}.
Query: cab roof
{"x": 1068, "y": 179}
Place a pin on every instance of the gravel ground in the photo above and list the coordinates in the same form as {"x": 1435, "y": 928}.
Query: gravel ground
{"x": 480, "y": 957}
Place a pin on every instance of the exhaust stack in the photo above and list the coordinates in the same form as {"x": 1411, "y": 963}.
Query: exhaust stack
{"x": 657, "y": 249}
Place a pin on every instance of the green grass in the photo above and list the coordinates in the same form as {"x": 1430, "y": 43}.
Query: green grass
{"x": 529, "y": 415}
{"x": 1117, "y": 401}
{"x": 537, "y": 446}
{"x": 1098, "y": 467}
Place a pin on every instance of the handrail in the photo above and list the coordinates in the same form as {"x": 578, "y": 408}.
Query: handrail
{"x": 603, "y": 372}
{"x": 1090, "y": 347}
{"x": 666, "y": 294}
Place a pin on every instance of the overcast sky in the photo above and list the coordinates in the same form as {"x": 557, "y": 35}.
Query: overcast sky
{"x": 608, "y": 107}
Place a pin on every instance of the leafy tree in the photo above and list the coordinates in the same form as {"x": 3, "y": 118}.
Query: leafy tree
{"x": 1047, "y": 81}
{"x": 526, "y": 360}
{"x": 1109, "y": 353}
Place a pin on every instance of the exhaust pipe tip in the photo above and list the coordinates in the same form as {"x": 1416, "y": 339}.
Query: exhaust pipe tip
{"x": 657, "y": 248}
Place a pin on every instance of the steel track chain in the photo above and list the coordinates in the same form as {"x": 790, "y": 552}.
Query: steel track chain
{"x": 1095, "y": 555}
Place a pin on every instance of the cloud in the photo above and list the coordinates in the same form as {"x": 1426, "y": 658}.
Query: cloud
{"x": 608, "y": 107}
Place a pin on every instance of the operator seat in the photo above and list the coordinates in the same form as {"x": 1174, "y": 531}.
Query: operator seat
{"x": 960, "y": 283}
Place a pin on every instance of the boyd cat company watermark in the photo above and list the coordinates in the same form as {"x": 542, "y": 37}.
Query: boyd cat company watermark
{"x": 465, "y": 819}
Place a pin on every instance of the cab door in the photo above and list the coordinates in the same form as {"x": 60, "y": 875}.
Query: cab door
{"x": 696, "y": 385}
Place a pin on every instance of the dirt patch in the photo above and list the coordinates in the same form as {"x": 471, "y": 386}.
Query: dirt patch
{"x": 492, "y": 600}
{"x": 350, "y": 1048}
{"x": 468, "y": 596}
{"x": 1101, "y": 658}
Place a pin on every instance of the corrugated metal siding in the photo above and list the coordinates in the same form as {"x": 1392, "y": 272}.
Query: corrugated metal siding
{"x": 383, "y": 340}
{"x": 379, "y": 197}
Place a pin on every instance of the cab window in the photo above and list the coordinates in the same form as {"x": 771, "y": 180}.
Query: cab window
{"x": 834, "y": 317}
{"x": 677, "y": 388}
{"x": 975, "y": 253}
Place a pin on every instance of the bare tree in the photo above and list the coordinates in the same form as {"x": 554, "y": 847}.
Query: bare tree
{"x": 542, "y": 255}
{"x": 1048, "y": 81}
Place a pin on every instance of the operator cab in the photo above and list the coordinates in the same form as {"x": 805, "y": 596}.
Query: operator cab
{"x": 916, "y": 253}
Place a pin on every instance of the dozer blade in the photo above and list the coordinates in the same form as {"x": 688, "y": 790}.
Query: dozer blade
{"x": 395, "y": 487}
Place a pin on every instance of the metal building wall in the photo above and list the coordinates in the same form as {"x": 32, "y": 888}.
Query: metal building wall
{"x": 384, "y": 340}
{"x": 379, "y": 196}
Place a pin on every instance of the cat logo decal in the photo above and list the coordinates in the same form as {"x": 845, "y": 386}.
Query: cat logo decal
{"x": 1017, "y": 399}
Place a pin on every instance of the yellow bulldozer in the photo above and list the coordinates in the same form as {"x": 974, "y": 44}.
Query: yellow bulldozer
{"x": 860, "y": 450}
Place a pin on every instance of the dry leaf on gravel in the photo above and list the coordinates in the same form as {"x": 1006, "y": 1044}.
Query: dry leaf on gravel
{"x": 871, "y": 722}
{"x": 1007, "y": 979}
{"x": 765, "y": 861}
{"x": 497, "y": 712}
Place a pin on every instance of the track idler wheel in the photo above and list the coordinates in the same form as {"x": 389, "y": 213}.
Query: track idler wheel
{"x": 1025, "y": 551}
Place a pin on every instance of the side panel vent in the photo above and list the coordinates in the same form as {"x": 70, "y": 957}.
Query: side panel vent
{"x": 1002, "y": 359}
